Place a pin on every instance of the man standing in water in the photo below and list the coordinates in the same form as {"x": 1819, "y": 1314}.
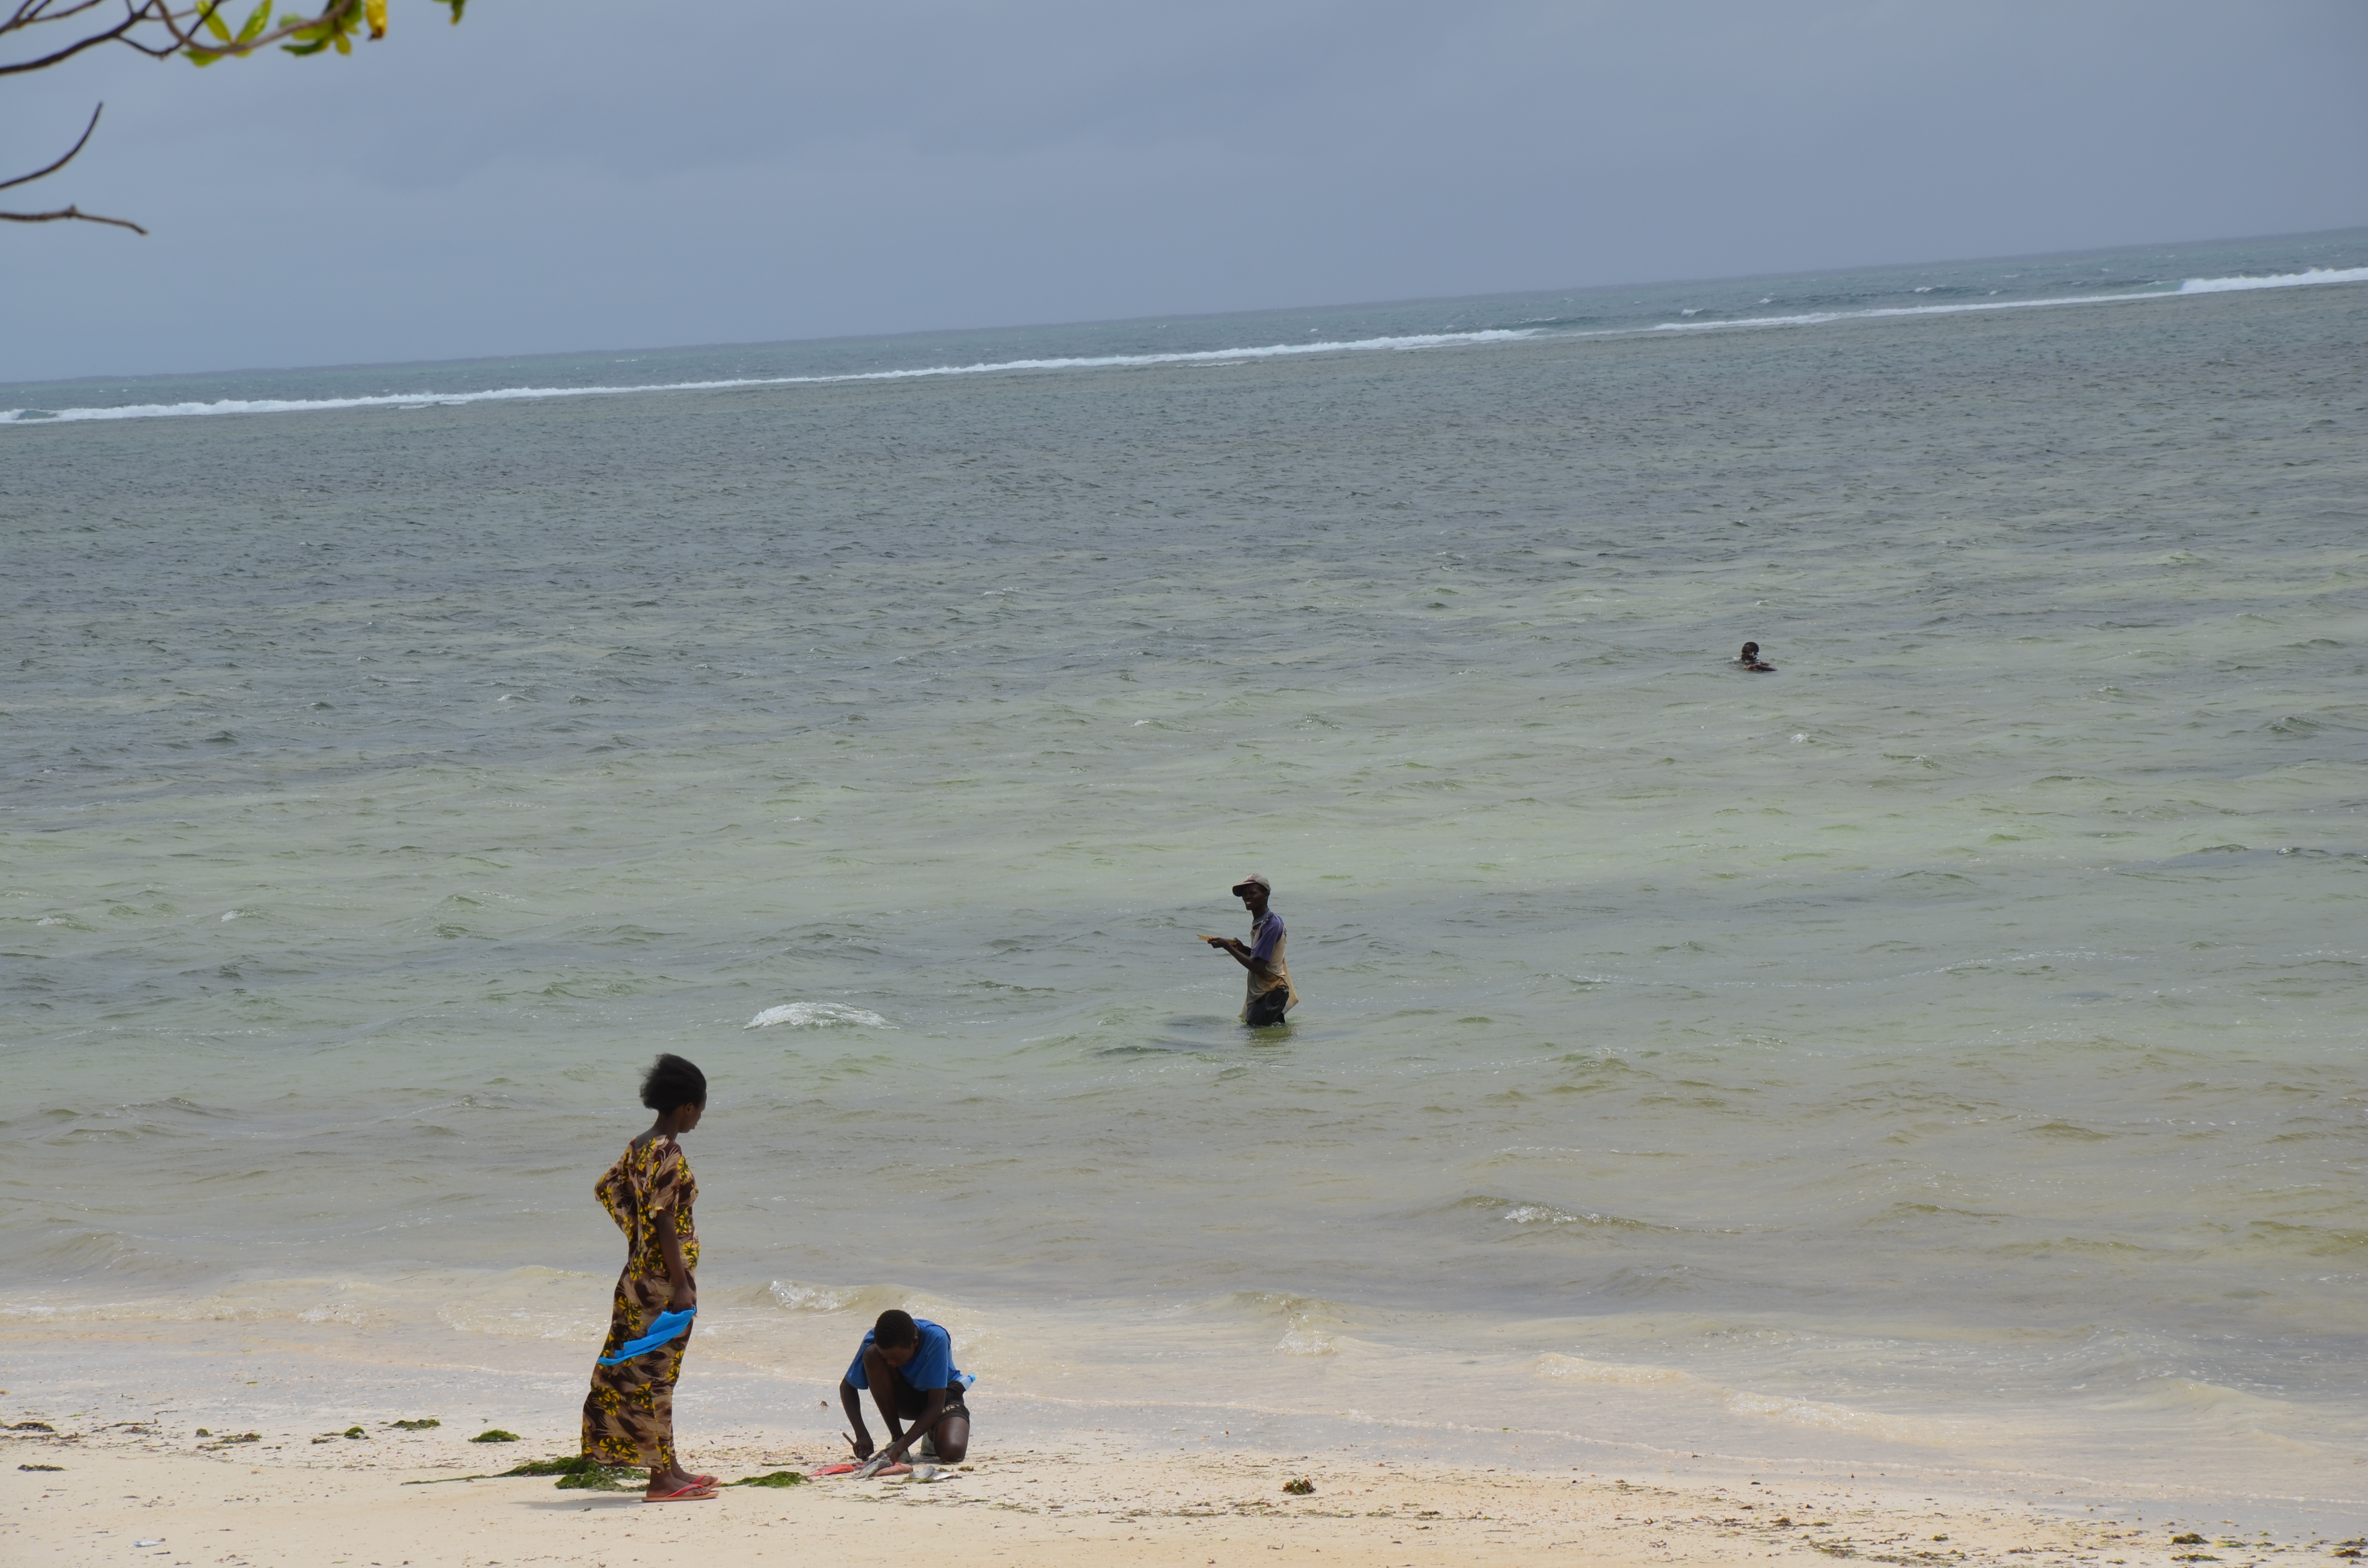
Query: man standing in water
{"x": 1271, "y": 993}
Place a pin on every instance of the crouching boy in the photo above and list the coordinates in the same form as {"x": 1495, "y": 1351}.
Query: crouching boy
{"x": 908, "y": 1365}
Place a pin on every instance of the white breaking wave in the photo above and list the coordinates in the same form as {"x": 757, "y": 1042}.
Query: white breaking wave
{"x": 800, "y": 1298}
{"x": 2276, "y": 280}
{"x": 1086, "y": 362}
{"x": 2191, "y": 286}
{"x": 1877, "y": 312}
{"x": 816, "y": 1015}
{"x": 2318, "y": 275}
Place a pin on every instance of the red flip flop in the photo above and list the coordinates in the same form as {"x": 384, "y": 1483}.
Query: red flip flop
{"x": 694, "y": 1493}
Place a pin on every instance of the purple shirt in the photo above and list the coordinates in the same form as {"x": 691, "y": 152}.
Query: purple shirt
{"x": 1265, "y": 932}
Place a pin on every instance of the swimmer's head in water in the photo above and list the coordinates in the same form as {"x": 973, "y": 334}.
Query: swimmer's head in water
{"x": 1750, "y": 653}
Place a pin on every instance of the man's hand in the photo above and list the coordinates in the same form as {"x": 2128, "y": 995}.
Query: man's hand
{"x": 852, "y": 1403}
{"x": 685, "y": 1297}
{"x": 933, "y": 1405}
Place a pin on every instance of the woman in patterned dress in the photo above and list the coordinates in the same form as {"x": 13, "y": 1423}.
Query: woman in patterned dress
{"x": 628, "y": 1414}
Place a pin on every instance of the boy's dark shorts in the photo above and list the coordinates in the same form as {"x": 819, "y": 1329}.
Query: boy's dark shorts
{"x": 1266, "y": 1011}
{"x": 908, "y": 1401}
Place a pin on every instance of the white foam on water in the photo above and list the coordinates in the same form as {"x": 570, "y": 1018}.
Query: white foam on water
{"x": 816, "y": 1015}
{"x": 2316, "y": 275}
{"x": 1630, "y": 1374}
{"x": 1532, "y": 1213}
{"x": 2276, "y": 280}
{"x": 505, "y": 394}
{"x": 800, "y": 1298}
{"x": 415, "y": 400}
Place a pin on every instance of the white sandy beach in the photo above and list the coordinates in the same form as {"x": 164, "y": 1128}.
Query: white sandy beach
{"x": 291, "y": 1499}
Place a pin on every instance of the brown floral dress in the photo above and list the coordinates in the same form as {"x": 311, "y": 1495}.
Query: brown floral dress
{"x": 628, "y": 1414}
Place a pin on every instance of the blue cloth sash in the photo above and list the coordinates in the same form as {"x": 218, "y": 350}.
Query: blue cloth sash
{"x": 669, "y": 1325}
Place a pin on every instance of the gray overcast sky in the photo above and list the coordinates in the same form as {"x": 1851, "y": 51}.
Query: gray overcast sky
{"x": 558, "y": 175}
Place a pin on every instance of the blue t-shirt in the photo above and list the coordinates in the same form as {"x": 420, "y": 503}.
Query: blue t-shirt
{"x": 932, "y": 1366}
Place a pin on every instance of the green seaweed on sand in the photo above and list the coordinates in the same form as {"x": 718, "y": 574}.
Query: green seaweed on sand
{"x": 575, "y": 1470}
{"x": 494, "y": 1435}
{"x": 414, "y": 1426}
{"x": 355, "y": 1432}
{"x": 2190, "y": 1539}
{"x": 1303, "y": 1487}
{"x": 581, "y": 1473}
{"x": 596, "y": 1477}
{"x": 778, "y": 1478}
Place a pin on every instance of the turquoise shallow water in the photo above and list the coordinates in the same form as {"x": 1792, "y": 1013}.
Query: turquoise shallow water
{"x": 1944, "y": 1050}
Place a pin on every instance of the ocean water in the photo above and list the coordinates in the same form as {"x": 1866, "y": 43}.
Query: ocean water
{"x": 1940, "y": 1057}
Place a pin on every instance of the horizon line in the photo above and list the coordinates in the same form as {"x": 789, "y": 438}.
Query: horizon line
{"x": 1399, "y": 301}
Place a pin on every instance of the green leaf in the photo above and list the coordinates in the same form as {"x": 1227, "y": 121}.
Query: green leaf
{"x": 211, "y": 14}
{"x": 256, "y": 20}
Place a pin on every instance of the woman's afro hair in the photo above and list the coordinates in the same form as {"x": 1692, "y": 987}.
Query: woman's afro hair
{"x": 670, "y": 1083}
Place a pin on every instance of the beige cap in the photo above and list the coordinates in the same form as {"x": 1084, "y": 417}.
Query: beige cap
{"x": 1256, "y": 879}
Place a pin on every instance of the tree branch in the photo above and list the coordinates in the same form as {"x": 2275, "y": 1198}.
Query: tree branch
{"x": 189, "y": 43}
{"x": 62, "y": 162}
{"x": 69, "y": 213}
{"x": 196, "y": 30}
{"x": 30, "y": 16}
{"x": 183, "y": 29}
{"x": 28, "y": 12}
{"x": 66, "y": 213}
